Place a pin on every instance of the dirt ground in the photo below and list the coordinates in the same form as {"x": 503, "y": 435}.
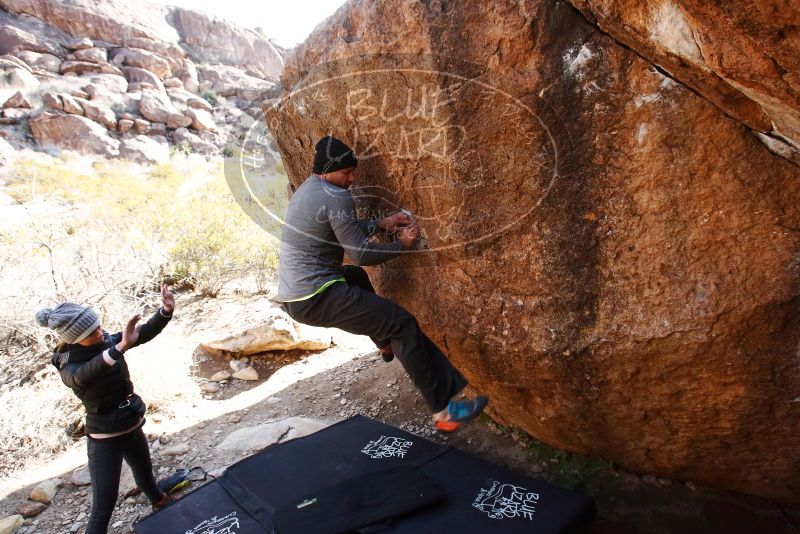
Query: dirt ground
{"x": 350, "y": 378}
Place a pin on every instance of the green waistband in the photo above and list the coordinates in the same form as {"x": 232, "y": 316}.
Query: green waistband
{"x": 322, "y": 288}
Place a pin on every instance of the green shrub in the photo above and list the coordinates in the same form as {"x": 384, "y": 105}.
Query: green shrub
{"x": 211, "y": 97}
{"x": 214, "y": 241}
{"x": 181, "y": 148}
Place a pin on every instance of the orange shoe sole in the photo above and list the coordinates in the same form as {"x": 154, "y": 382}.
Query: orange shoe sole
{"x": 447, "y": 426}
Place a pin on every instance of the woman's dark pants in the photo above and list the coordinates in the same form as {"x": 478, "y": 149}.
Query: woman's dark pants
{"x": 354, "y": 307}
{"x": 105, "y": 466}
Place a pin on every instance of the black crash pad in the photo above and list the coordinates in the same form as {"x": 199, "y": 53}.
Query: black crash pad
{"x": 478, "y": 497}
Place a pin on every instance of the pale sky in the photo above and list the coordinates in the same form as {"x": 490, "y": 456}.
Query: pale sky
{"x": 288, "y": 22}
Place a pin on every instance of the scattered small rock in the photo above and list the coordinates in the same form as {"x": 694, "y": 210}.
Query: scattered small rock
{"x": 45, "y": 491}
{"x": 17, "y": 100}
{"x": 238, "y": 365}
{"x": 124, "y": 125}
{"x": 248, "y": 373}
{"x": 219, "y": 376}
{"x": 209, "y": 387}
{"x": 78, "y": 43}
{"x": 10, "y": 524}
{"x": 31, "y": 509}
{"x": 81, "y": 476}
{"x": 176, "y": 450}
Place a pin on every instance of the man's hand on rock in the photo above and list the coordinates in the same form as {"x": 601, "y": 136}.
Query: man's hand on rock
{"x": 394, "y": 222}
{"x": 408, "y": 235}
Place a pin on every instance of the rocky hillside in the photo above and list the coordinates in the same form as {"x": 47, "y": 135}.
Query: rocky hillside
{"x": 127, "y": 79}
{"x": 609, "y": 196}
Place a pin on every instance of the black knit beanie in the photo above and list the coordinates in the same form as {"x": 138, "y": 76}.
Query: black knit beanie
{"x": 333, "y": 155}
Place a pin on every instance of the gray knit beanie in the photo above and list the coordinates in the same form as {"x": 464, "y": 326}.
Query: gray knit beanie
{"x": 72, "y": 322}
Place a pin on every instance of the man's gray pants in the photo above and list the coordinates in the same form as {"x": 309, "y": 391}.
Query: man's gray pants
{"x": 354, "y": 307}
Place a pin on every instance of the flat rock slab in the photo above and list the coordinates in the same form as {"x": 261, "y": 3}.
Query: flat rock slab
{"x": 262, "y": 328}
{"x": 260, "y": 436}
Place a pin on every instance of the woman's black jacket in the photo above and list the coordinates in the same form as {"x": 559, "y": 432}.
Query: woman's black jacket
{"x": 102, "y": 387}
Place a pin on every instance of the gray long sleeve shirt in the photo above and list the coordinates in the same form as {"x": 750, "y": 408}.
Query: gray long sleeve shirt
{"x": 320, "y": 226}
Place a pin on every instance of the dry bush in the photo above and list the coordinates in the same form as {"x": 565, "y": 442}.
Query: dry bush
{"x": 34, "y": 422}
{"x": 263, "y": 263}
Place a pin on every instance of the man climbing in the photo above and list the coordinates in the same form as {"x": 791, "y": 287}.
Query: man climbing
{"x": 316, "y": 289}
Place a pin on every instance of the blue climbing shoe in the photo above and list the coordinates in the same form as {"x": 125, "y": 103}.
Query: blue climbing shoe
{"x": 461, "y": 412}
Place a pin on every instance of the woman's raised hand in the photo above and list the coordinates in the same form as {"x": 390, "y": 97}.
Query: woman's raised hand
{"x": 130, "y": 335}
{"x": 167, "y": 299}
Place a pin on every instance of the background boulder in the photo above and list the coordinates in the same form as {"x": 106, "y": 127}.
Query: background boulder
{"x": 107, "y": 20}
{"x": 73, "y": 132}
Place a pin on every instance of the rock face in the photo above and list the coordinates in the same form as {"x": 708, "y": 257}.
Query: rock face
{"x": 610, "y": 256}
{"x": 107, "y": 20}
{"x": 213, "y": 39}
{"x": 33, "y": 35}
{"x": 118, "y": 63}
{"x": 228, "y": 81}
{"x": 743, "y": 56}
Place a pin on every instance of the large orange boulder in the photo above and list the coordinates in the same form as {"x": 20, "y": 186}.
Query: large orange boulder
{"x": 608, "y": 255}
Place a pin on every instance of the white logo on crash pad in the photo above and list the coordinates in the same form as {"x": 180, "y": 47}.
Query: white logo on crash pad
{"x": 228, "y": 524}
{"x": 506, "y": 501}
{"x": 387, "y": 447}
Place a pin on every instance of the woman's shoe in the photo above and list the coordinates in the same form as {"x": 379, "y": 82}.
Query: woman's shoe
{"x": 164, "y": 500}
